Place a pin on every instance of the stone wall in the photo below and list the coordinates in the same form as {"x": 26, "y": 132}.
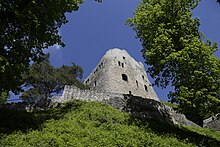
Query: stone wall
{"x": 212, "y": 122}
{"x": 148, "y": 109}
{"x": 72, "y": 92}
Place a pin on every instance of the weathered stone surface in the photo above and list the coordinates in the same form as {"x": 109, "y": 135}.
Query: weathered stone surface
{"x": 212, "y": 122}
{"x": 149, "y": 109}
{"x": 118, "y": 72}
{"x": 121, "y": 82}
{"x": 144, "y": 108}
{"x": 72, "y": 92}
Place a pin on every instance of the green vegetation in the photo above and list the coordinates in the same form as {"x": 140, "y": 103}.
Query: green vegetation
{"x": 174, "y": 106}
{"x": 206, "y": 132}
{"x": 176, "y": 53}
{"x": 26, "y": 28}
{"x": 80, "y": 123}
{"x": 42, "y": 79}
{"x": 3, "y": 97}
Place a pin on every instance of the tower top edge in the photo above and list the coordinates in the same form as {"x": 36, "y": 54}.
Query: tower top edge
{"x": 122, "y": 52}
{"x": 117, "y": 50}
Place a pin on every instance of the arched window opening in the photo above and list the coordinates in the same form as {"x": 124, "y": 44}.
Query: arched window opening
{"x": 124, "y": 77}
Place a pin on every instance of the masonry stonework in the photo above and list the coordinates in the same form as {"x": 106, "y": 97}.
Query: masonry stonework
{"x": 121, "y": 82}
{"x": 143, "y": 108}
{"x": 118, "y": 72}
{"x": 72, "y": 92}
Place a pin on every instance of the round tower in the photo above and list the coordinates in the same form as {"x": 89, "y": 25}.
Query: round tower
{"x": 118, "y": 72}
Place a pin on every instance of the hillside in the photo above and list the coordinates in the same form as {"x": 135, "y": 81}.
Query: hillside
{"x": 80, "y": 123}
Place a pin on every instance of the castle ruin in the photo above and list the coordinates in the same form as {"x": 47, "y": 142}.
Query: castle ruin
{"x": 121, "y": 82}
{"x": 118, "y": 72}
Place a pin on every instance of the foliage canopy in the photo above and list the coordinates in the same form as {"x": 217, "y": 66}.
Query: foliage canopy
{"x": 42, "y": 79}
{"x": 174, "y": 49}
{"x": 27, "y": 27}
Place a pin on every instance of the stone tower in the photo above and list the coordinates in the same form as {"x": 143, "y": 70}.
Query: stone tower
{"x": 118, "y": 72}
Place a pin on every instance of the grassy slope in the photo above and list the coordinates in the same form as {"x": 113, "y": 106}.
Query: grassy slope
{"x": 94, "y": 124}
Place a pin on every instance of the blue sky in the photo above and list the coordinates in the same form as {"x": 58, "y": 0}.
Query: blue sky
{"x": 97, "y": 27}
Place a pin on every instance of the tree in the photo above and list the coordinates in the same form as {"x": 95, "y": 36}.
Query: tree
{"x": 3, "y": 97}
{"x": 42, "y": 79}
{"x": 174, "y": 49}
{"x": 27, "y": 27}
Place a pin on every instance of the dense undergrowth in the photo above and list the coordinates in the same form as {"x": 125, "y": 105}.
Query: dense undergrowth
{"x": 80, "y": 123}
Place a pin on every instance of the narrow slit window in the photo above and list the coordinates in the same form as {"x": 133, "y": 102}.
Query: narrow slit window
{"x": 142, "y": 77}
{"x": 122, "y": 64}
{"x": 145, "y": 87}
{"x": 137, "y": 83}
{"x": 119, "y": 63}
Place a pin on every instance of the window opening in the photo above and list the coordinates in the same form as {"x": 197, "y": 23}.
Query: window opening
{"x": 122, "y": 64}
{"x": 119, "y": 63}
{"x": 137, "y": 83}
{"x": 94, "y": 83}
{"x": 124, "y": 77}
{"x": 123, "y": 57}
{"x": 142, "y": 77}
{"x": 145, "y": 87}
{"x": 130, "y": 92}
